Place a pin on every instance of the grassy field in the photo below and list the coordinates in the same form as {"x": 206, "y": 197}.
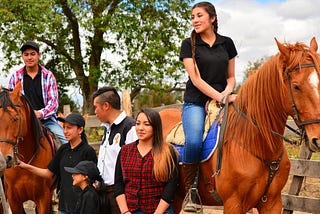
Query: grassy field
{"x": 294, "y": 150}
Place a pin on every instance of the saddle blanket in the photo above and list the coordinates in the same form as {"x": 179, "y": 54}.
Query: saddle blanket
{"x": 208, "y": 146}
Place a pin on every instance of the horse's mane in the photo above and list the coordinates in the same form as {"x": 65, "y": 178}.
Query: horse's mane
{"x": 35, "y": 125}
{"x": 260, "y": 99}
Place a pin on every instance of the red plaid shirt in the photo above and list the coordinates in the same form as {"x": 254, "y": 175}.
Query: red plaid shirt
{"x": 141, "y": 189}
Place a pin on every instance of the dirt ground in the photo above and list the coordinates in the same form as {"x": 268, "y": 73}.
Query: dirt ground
{"x": 310, "y": 188}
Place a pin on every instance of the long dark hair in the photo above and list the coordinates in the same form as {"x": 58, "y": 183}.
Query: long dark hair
{"x": 211, "y": 10}
{"x": 164, "y": 156}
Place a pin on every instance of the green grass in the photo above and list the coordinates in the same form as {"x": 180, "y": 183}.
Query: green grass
{"x": 294, "y": 150}
{"x": 94, "y": 134}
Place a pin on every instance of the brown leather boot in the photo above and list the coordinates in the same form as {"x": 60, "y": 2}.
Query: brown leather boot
{"x": 190, "y": 171}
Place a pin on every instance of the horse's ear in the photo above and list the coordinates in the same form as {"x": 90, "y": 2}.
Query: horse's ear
{"x": 17, "y": 91}
{"x": 283, "y": 50}
{"x": 313, "y": 44}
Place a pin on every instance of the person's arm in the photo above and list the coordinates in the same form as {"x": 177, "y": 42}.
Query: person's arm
{"x": 204, "y": 87}
{"x": 122, "y": 203}
{"x": 12, "y": 82}
{"x": 119, "y": 188}
{"x": 162, "y": 207}
{"x": 231, "y": 80}
{"x": 198, "y": 82}
{"x": 45, "y": 173}
{"x": 50, "y": 97}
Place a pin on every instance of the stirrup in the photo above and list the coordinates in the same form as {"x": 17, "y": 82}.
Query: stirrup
{"x": 192, "y": 201}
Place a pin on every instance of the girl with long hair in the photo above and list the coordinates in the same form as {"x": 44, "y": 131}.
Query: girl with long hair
{"x": 209, "y": 59}
{"x": 146, "y": 174}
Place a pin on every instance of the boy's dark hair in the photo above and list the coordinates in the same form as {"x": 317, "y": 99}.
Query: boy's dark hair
{"x": 107, "y": 94}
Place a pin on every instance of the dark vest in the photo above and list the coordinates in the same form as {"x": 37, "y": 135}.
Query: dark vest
{"x": 122, "y": 128}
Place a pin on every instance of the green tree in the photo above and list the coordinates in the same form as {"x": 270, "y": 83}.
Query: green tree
{"x": 82, "y": 37}
{"x": 253, "y": 66}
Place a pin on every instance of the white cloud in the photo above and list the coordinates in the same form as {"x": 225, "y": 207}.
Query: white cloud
{"x": 253, "y": 26}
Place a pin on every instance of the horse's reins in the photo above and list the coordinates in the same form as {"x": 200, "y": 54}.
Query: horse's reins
{"x": 272, "y": 165}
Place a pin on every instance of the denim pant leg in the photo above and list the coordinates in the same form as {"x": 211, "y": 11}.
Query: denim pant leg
{"x": 56, "y": 129}
{"x": 168, "y": 211}
{"x": 193, "y": 120}
{"x": 63, "y": 212}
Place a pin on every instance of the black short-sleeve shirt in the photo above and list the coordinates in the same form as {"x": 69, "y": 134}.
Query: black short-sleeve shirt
{"x": 33, "y": 89}
{"x": 67, "y": 157}
{"x": 212, "y": 63}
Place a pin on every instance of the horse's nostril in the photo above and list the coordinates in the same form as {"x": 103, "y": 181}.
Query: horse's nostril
{"x": 9, "y": 161}
{"x": 3, "y": 165}
{"x": 315, "y": 142}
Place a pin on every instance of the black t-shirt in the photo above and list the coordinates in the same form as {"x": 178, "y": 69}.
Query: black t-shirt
{"x": 88, "y": 202}
{"x": 67, "y": 157}
{"x": 212, "y": 63}
{"x": 33, "y": 90}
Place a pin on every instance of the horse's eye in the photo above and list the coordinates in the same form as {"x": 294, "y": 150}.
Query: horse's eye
{"x": 296, "y": 87}
{"x": 15, "y": 119}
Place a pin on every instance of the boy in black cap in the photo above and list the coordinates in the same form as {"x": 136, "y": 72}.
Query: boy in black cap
{"x": 39, "y": 86}
{"x": 84, "y": 174}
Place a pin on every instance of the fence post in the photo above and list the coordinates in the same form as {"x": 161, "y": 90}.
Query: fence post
{"x": 66, "y": 110}
{"x": 296, "y": 182}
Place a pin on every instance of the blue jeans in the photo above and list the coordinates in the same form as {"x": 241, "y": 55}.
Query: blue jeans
{"x": 56, "y": 129}
{"x": 193, "y": 121}
{"x": 168, "y": 211}
{"x": 63, "y": 212}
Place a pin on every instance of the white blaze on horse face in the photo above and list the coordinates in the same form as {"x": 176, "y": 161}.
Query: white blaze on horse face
{"x": 314, "y": 82}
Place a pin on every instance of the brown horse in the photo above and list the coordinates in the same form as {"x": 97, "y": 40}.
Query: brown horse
{"x": 255, "y": 165}
{"x": 22, "y": 137}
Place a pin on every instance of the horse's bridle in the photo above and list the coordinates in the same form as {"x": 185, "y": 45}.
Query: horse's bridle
{"x": 274, "y": 165}
{"x": 296, "y": 117}
{"x": 18, "y": 139}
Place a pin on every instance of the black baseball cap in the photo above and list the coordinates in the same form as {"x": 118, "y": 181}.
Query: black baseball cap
{"x": 85, "y": 167}
{"x": 29, "y": 45}
{"x": 73, "y": 118}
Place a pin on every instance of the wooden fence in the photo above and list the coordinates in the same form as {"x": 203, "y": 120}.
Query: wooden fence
{"x": 300, "y": 169}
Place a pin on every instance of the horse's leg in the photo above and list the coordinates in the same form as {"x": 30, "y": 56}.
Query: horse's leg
{"x": 43, "y": 208}
{"x": 233, "y": 205}
{"x": 271, "y": 206}
{"x": 44, "y": 205}
{"x": 177, "y": 204}
{"x": 16, "y": 207}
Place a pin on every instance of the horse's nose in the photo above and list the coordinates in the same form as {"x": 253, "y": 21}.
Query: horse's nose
{"x": 9, "y": 161}
{"x": 3, "y": 165}
{"x": 315, "y": 143}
